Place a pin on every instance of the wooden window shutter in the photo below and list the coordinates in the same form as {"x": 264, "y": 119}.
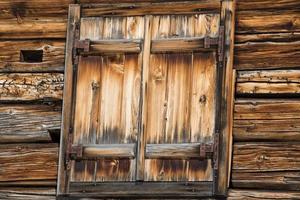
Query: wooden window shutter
{"x": 147, "y": 100}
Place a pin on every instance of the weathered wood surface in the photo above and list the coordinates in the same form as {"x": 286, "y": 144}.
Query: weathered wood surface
{"x": 31, "y": 86}
{"x": 115, "y": 46}
{"x": 268, "y": 21}
{"x": 263, "y": 55}
{"x": 53, "y": 56}
{"x": 266, "y": 4}
{"x": 266, "y": 120}
{"x": 28, "y": 123}
{"x": 34, "y": 8}
{"x": 63, "y": 176}
{"x": 235, "y": 194}
{"x": 36, "y": 163}
{"x": 27, "y": 193}
{"x": 267, "y": 37}
{"x": 268, "y": 83}
{"x": 109, "y": 151}
{"x": 266, "y": 165}
{"x": 129, "y": 9}
{"x": 35, "y": 28}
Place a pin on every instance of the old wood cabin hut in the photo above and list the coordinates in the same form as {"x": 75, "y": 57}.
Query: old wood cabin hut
{"x": 259, "y": 151}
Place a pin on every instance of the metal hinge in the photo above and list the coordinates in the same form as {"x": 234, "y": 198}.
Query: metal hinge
{"x": 216, "y": 151}
{"x": 206, "y": 151}
{"x": 208, "y": 42}
{"x": 221, "y": 45}
{"x": 82, "y": 45}
{"x": 73, "y": 151}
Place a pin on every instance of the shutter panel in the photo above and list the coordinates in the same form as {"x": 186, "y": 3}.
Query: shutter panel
{"x": 143, "y": 114}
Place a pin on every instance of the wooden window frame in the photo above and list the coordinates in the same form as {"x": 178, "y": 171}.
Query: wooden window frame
{"x": 225, "y": 76}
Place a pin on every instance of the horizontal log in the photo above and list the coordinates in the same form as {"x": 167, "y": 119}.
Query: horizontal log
{"x": 181, "y": 45}
{"x": 235, "y": 194}
{"x": 145, "y": 189}
{"x": 263, "y": 55}
{"x": 266, "y": 157}
{"x": 31, "y": 86}
{"x": 267, "y": 4}
{"x": 52, "y": 58}
{"x": 32, "y": 28}
{"x": 109, "y": 151}
{"x": 281, "y": 180}
{"x": 134, "y": 9}
{"x": 115, "y": 46}
{"x": 266, "y": 165}
{"x": 268, "y": 82}
{"x": 266, "y": 120}
{"x": 266, "y": 21}
{"x": 28, "y": 162}
{"x": 176, "y": 151}
{"x": 28, "y": 123}
{"x": 34, "y": 8}
{"x": 267, "y": 37}
{"x": 27, "y": 193}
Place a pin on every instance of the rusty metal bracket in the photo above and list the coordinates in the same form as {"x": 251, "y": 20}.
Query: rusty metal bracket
{"x": 221, "y": 45}
{"x": 206, "y": 151}
{"x": 208, "y": 42}
{"x": 82, "y": 45}
{"x": 75, "y": 152}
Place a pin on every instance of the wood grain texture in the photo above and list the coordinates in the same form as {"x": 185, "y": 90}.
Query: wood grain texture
{"x": 34, "y": 8}
{"x": 35, "y": 28}
{"x": 266, "y": 120}
{"x": 28, "y": 162}
{"x": 31, "y": 86}
{"x": 266, "y": 55}
{"x": 63, "y": 173}
{"x": 115, "y": 79}
{"x": 266, "y": 21}
{"x": 27, "y": 193}
{"x": 174, "y": 90}
{"x": 28, "y": 123}
{"x": 267, "y": 4}
{"x": 266, "y": 165}
{"x": 267, "y": 37}
{"x": 268, "y": 83}
{"x": 52, "y": 61}
{"x": 129, "y": 9}
{"x": 235, "y": 194}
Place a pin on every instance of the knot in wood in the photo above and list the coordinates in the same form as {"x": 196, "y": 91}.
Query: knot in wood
{"x": 202, "y": 99}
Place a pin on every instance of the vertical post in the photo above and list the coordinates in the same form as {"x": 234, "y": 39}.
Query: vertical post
{"x": 140, "y": 160}
{"x": 228, "y": 19}
{"x": 73, "y": 19}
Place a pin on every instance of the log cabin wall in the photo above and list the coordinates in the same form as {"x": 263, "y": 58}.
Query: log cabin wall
{"x": 266, "y": 130}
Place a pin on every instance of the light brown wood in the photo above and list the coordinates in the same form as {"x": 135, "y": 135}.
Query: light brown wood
{"x": 109, "y": 151}
{"x": 226, "y": 100}
{"x": 174, "y": 151}
{"x": 62, "y": 179}
{"x": 115, "y": 46}
{"x": 179, "y": 45}
{"x": 27, "y": 193}
{"x": 129, "y": 9}
{"x": 28, "y": 162}
{"x": 256, "y": 55}
{"x": 268, "y": 83}
{"x": 35, "y": 28}
{"x": 28, "y": 123}
{"x": 266, "y": 21}
{"x": 266, "y": 120}
{"x": 267, "y": 4}
{"x": 34, "y": 8}
{"x": 31, "y": 86}
{"x": 53, "y": 56}
{"x": 235, "y": 194}
{"x": 266, "y": 165}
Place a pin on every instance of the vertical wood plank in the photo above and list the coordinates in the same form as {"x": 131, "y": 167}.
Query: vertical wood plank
{"x": 62, "y": 181}
{"x": 140, "y": 163}
{"x": 227, "y": 17}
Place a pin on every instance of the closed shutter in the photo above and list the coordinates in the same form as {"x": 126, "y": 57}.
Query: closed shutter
{"x": 143, "y": 103}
